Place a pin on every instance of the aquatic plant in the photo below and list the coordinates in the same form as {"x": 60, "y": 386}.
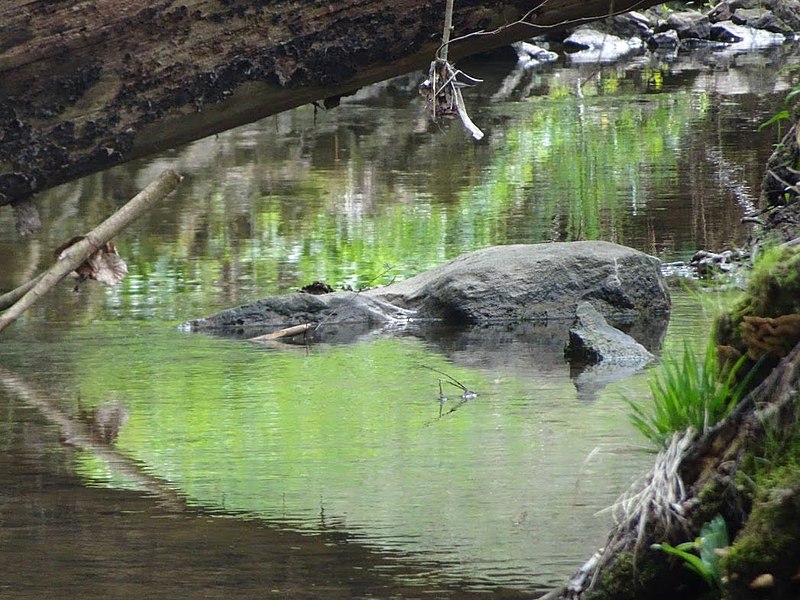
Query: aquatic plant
{"x": 702, "y": 555}
{"x": 688, "y": 391}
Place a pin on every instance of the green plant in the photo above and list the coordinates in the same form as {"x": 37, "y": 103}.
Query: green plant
{"x": 688, "y": 391}
{"x": 785, "y": 114}
{"x": 713, "y": 536}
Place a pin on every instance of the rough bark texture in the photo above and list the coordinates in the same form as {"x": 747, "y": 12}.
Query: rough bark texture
{"x": 85, "y": 84}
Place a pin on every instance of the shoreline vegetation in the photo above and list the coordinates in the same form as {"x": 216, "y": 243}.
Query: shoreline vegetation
{"x": 729, "y": 458}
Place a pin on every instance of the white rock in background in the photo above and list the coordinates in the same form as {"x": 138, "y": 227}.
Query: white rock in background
{"x": 599, "y": 47}
{"x": 530, "y": 55}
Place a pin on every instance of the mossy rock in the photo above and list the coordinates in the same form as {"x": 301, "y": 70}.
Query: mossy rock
{"x": 765, "y": 324}
{"x": 764, "y": 561}
{"x": 655, "y": 576}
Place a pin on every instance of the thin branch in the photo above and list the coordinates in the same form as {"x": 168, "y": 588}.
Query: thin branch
{"x": 448, "y": 27}
{"x": 282, "y": 333}
{"x": 524, "y": 21}
{"x": 9, "y": 298}
{"x": 76, "y": 254}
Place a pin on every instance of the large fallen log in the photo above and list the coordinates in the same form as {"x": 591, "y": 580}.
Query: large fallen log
{"x": 87, "y": 84}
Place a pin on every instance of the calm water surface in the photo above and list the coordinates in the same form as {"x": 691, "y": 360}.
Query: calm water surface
{"x": 143, "y": 462}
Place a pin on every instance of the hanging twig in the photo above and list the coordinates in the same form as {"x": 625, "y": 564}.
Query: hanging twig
{"x": 76, "y": 254}
{"x": 446, "y": 100}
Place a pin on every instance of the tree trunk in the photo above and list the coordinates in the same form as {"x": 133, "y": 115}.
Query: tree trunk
{"x": 87, "y": 84}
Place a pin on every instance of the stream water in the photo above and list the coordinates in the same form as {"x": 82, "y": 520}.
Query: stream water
{"x": 217, "y": 468}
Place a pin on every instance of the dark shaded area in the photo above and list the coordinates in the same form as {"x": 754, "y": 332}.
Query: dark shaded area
{"x": 102, "y": 543}
{"x": 85, "y": 87}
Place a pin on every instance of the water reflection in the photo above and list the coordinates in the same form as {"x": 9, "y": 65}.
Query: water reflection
{"x": 327, "y": 470}
{"x": 664, "y": 158}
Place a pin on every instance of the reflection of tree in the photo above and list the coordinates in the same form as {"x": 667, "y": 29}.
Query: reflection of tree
{"x": 294, "y": 198}
{"x": 95, "y": 436}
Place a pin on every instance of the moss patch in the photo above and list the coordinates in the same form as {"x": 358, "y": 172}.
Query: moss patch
{"x": 655, "y": 577}
{"x": 770, "y": 540}
{"x": 765, "y": 324}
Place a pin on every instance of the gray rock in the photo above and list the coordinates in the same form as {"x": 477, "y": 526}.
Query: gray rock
{"x": 666, "y": 40}
{"x": 601, "y": 354}
{"x": 744, "y": 38}
{"x": 689, "y": 24}
{"x": 346, "y": 316}
{"x": 725, "y": 9}
{"x": 760, "y": 18}
{"x": 503, "y": 284}
{"x": 599, "y": 46}
{"x": 593, "y": 341}
{"x": 536, "y": 282}
{"x": 788, "y": 11}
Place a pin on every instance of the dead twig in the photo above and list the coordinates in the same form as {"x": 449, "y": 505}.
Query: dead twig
{"x": 76, "y": 254}
{"x": 446, "y": 100}
{"x": 282, "y": 333}
{"x": 467, "y": 394}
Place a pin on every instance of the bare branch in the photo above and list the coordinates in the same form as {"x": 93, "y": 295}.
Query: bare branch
{"x": 76, "y": 254}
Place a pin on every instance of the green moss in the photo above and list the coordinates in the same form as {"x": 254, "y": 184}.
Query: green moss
{"x": 774, "y": 285}
{"x": 621, "y": 582}
{"x": 773, "y": 291}
{"x": 655, "y": 576}
{"x": 770, "y": 539}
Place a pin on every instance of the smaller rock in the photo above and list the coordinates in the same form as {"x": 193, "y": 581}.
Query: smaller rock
{"x": 598, "y": 46}
{"x": 743, "y": 37}
{"x": 600, "y": 353}
{"x": 593, "y": 341}
{"x": 665, "y": 40}
{"x": 787, "y": 11}
{"x": 760, "y": 18}
{"x": 689, "y": 24}
{"x": 530, "y": 55}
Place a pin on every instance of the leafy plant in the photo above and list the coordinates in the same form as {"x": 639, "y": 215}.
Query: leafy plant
{"x": 688, "y": 391}
{"x": 713, "y": 537}
{"x": 785, "y": 114}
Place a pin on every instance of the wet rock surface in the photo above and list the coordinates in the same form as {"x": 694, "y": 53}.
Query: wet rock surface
{"x": 536, "y": 282}
{"x": 340, "y": 316}
{"x": 521, "y": 283}
{"x": 600, "y": 354}
{"x": 593, "y": 341}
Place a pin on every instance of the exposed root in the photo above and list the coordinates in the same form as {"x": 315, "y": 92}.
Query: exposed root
{"x": 654, "y": 504}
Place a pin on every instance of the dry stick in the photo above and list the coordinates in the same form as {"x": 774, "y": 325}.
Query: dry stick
{"x": 282, "y": 333}
{"x": 73, "y": 256}
{"x": 448, "y": 26}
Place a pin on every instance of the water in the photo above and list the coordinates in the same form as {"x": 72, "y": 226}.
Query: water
{"x": 141, "y": 461}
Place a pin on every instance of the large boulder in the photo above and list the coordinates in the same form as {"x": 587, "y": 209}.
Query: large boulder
{"x": 503, "y": 284}
{"x": 536, "y": 282}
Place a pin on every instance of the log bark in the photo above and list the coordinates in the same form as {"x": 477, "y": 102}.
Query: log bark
{"x": 88, "y": 84}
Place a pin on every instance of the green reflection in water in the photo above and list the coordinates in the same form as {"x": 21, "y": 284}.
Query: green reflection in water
{"x": 562, "y": 170}
{"x": 349, "y": 438}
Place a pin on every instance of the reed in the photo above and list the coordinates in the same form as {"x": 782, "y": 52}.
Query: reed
{"x": 689, "y": 392}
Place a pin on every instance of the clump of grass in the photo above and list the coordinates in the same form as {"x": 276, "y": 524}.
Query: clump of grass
{"x": 689, "y": 391}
